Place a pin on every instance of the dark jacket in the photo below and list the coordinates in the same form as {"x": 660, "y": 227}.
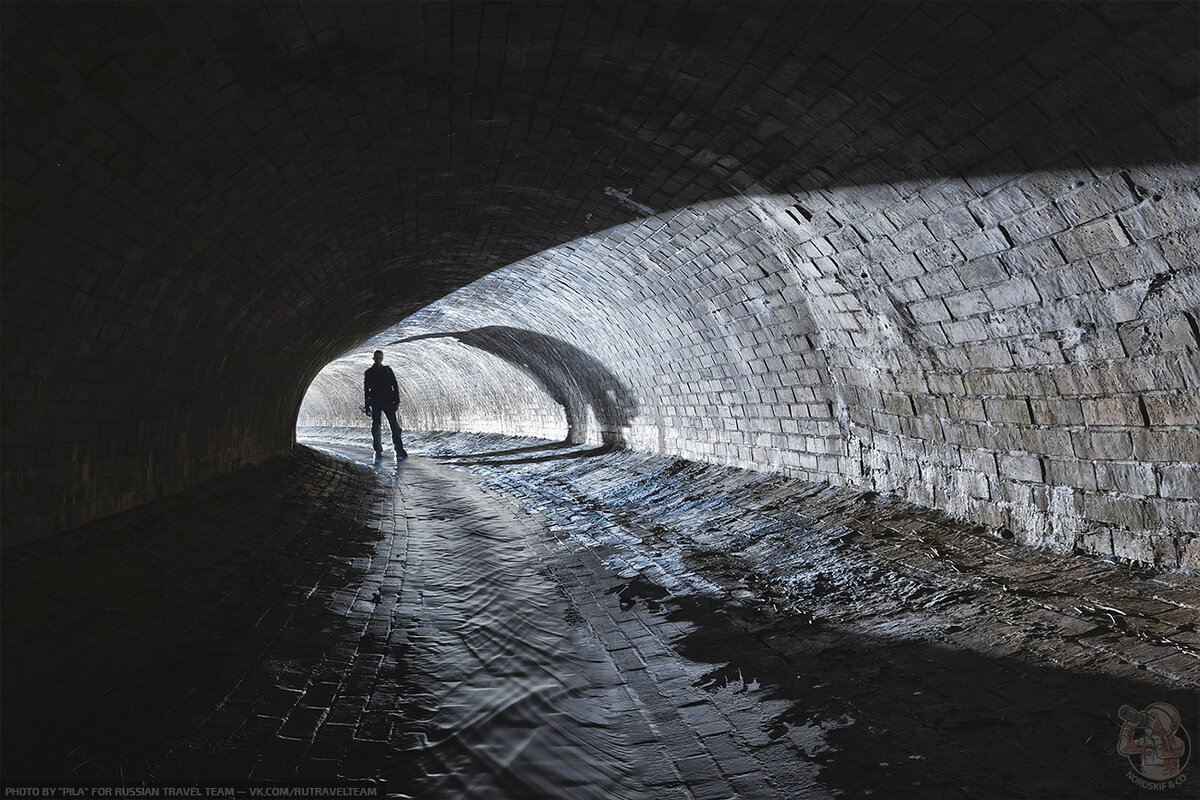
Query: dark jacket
{"x": 379, "y": 387}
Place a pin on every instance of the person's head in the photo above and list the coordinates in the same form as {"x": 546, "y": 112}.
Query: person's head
{"x": 378, "y": 356}
{"x": 1162, "y": 718}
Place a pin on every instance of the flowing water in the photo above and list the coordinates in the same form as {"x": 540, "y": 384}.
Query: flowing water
{"x": 501, "y": 697}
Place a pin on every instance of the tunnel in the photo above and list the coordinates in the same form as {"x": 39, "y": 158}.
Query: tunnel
{"x": 748, "y": 354}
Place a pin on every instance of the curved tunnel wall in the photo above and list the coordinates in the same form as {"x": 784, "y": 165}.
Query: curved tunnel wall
{"x": 443, "y": 387}
{"x": 205, "y": 203}
{"x": 1025, "y": 386}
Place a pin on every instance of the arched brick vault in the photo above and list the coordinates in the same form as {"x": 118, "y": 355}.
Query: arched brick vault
{"x": 987, "y": 208}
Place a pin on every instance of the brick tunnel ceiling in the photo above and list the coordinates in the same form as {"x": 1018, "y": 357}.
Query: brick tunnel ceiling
{"x": 204, "y": 203}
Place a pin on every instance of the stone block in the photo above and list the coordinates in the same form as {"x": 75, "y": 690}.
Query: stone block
{"x": 1127, "y": 478}
{"x": 999, "y": 205}
{"x": 1117, "y": 306}
{"x": 1088, "y": 240}
{"x": 967, "y": 304}
{"x": 1004, "y": 410}
{"x": 967, "y": 330}
{"x": 1066, "y": 281}
{"x": 1131, "y": 547}
{"x": 1012, "y": 294}
{"x": 945, "y": 383}
{"x": 929, "y": 311}
{"x": 1179, "y": 481}
{"x": 952, "y": 223}
{"x": 1020, "y": 467}
{"x": 988, "y": 355}
{"x": 1079, "y": 474}
{"x": 1095, "y": 200}
{"x": 1097, "y": 542}
{"x": 1181, "y": 250}
{"x": 981, "y": 272}
{"x": 939, "y": 255}
{"x": 1114, "y": 446}
{"x": 1173, "y": 409}
{"x": 1034, "y": 258}
{"x": 1118, "y": 267}
{"x": 1190, "y": 557}
{"x": 1112, "y": 412}
{"x": 912, "y": 237}
{"x": 1166, "y": 446}
{"x": 1035, "y": 224}
{"x": 1121, "y": 511}
{"x": 1057, "y": 411}
{"x": 1048, "y": 441}
{"x": 965, "y": 408}
{"x": 981, "y": 243}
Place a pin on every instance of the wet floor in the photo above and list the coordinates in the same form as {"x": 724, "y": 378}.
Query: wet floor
{"x": 512, "y": 619}
{"x": 498, "y": 697}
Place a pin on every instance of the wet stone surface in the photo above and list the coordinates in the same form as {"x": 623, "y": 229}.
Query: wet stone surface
{"x": 513, "y": 618}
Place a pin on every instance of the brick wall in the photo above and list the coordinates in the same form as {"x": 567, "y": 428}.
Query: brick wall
{"x": 941, "y": 249}
{"x": 826, "y": 336}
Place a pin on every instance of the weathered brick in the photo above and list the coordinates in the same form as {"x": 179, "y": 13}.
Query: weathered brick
{"x": 1013, "y": 293}
{"x": 1113, "y": 446}
{"x": 967, "y": 304}
{"x": 1035, "y": 224}
{"x": 1131, "y": 547}
{"x": 1002, "y": 410}
{"x": 1109, "y": 412}
{"x": 982, "y": 272}
{"x": 1180, "y": 481}
{"x": 1057, "y": 411}
{"x": 1169, "y": 446}
{"x": 1173, "y": 409}
{"x": 1129, "y": 478}
{"x": 1020, "y": 467}
{"x": 1092, "y": 238}
{"x": 1080, "y": 474}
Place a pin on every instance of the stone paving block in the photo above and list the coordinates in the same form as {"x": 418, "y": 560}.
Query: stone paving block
{"x": 331, "y": 741}
{"x": 698, "y": 770}
{"x": 751, "y": 785}
{"x": 658, "y": 771}
{"x": 712, "y": 790}
{"x": 364, "y": 759}
{"x": 280, "y": 760}
{"x": 302, "y": 723}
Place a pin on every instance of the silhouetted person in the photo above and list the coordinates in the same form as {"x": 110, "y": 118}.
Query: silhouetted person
{"x": 381, "y": 395}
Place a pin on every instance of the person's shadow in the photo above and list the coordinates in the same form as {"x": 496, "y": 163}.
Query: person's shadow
{"x": 572, "y": 377}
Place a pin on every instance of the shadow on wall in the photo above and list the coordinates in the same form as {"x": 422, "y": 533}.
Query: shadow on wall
{"x": 570, "y": 376}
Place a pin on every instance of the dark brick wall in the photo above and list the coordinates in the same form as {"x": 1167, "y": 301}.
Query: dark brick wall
{"x": 962, "y": 208}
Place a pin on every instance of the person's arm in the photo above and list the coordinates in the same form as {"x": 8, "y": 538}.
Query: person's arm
{"x": 366, "y": 389}
{"x": 395, "y": 388}
{"x": 1126, "y": 744}
{"x": 1168, "y": 746}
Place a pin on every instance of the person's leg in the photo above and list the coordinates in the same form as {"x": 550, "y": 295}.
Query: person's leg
{"x": 375, "y": 430}
{"x": 397, "y": 439}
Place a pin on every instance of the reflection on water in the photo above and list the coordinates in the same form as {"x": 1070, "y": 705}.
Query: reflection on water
{"x": 498, "y": 698}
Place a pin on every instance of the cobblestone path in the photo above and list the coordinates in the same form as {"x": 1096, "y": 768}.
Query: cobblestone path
{"x": 416, "y": 629}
